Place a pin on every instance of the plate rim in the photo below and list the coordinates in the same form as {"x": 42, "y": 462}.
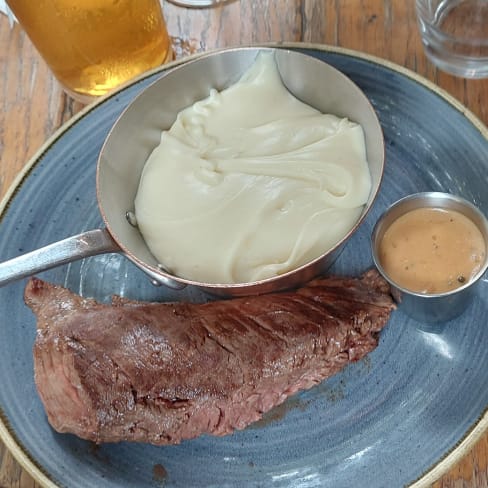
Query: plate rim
{"x": 470, "y": 437}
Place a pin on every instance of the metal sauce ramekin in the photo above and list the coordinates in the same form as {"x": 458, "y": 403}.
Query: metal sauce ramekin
{"x": 435, "y": 307}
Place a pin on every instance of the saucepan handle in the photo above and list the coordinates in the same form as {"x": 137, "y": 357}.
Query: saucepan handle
{"x": 90, "y": 243}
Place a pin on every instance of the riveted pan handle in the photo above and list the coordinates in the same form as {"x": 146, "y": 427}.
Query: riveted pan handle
{"x": 90, "y": 243}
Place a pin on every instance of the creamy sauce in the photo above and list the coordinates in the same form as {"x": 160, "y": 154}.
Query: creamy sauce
{"x": 251, "y": 183}
{"x": 432, "y": 250}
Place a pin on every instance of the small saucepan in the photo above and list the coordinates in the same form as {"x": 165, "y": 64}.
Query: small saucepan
{"x": 138, "y": 130}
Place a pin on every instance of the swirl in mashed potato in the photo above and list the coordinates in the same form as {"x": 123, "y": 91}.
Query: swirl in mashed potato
{"x": 251, "y": 183}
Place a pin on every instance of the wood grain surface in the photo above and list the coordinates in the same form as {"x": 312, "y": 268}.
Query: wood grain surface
{"x": 33, "y": 105}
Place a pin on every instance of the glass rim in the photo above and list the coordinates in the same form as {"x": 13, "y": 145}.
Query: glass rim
{"x": 425, "y": 16}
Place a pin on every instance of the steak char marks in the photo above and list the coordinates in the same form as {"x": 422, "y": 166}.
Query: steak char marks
{"x": 162, "y": 373}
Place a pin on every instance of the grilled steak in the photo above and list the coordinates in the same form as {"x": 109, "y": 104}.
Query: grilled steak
{"x": 161, "y": 373}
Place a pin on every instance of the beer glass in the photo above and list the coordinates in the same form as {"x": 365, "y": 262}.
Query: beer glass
{"x": 93, "y": 46}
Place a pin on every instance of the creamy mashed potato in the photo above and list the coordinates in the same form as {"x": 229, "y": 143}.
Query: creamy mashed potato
{"x": 251, "y": 183}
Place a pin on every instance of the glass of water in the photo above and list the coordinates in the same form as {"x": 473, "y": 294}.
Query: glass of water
{"x": 455, "y": 35}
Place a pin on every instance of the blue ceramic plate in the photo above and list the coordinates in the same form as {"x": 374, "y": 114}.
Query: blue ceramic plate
{"x": 400, "y": 417}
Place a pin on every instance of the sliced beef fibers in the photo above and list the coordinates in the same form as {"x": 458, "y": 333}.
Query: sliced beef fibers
{"x": 162, "y": 373}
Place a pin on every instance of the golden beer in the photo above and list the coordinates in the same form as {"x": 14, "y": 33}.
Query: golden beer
{"x": 92, "y": 46}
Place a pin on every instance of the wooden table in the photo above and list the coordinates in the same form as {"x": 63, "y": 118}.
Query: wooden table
{"x": 33, "y": 106}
